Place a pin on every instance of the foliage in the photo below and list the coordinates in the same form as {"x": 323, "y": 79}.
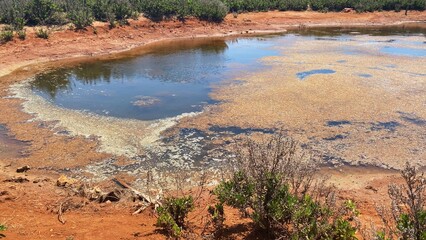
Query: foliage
{"x": 42, "y": 33}
{"x": 211, "y": 10}
{"x": 79, "y": 13}
{"x": 173, "y": 213}
{"x": 56, "y": 12}
{"x": 22, "y": 34}
{"x": 295, "y": 5}
{"x": 407, "y": 216}
{"x": 274, "y": 185}
{"x": 217, "y": 214}
{"x": 6, "y": 35}
{"x": 40, "y": 12}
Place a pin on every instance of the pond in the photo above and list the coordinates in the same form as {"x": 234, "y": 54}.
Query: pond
{"x": 177, "y": 78}
{"x": 337, "y": 89}
{"x": 170, "y": 80}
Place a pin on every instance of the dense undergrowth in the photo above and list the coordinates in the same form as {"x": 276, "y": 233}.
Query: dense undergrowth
{"x": 82, "y": 13}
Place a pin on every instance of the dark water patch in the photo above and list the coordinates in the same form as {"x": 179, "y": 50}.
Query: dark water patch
{"x": 9, "y": 146}
{"x": 390, "y": 126}
{"x": 341, "y": 61}
{"x": 404, "y": 30}
{"x": 238, "y": 130}
{"x": 412, "y": 118}
{"x": 336, "y": 137}
{"x": 404, "y": 51}
{"x": 303, "y": 75}
{"x": 169, "y": 80}
{"x": 338, "y": 123}
{"x": 391, "y": 66}
{"x": 365, "y": 75}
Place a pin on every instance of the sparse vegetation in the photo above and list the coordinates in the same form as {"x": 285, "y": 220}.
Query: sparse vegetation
{"x": 173, "y": 214}
{"x": 406, "y": 218}
{"x": 43, "y": 33}
{"x": 6, "y": 35}
{"x": 22, "y": 34}
{"x": 275, "y": 185}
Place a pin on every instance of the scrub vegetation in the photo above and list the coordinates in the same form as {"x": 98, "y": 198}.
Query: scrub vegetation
{"x": 274, "y": 182}
{"x": 82, "y": 13}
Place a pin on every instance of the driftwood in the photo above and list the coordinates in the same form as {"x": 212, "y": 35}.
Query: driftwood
{"x": 60, "y": 218}
{"x": 141, "y": 209}
{"x": 144, "y": 197}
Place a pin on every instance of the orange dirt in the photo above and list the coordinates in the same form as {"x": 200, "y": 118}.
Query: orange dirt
{"x": 28, "y": 209}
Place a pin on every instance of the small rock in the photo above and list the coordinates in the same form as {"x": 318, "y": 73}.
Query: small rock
{"x": 17, "y": 180}
{"x": 369, "y": 187}
{"x": 348, "y": 10}
{"x": 23, "y": 169}
{"x": 64, "y": 181}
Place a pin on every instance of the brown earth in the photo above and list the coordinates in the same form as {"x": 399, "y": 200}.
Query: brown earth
{"x": 28, "y": 209}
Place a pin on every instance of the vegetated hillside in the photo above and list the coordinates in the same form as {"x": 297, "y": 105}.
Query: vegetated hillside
{"x": 82, "y": 13}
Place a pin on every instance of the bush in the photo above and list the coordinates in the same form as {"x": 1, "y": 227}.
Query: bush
{"x": 173, "y": 214}
{"x": 2, "y": 228}
{"x": 294, "y": 5}
{"x": 22, "y": 34}
{"x": 40, "y": 12}
{"x": 274, "y": 185}
{"x": 122, "y": 9}
{"x": 79, "y": 13}
{"x": 157, "y": 10}
{"x": 406, "y": 219}
{"x": 211, "y": 10}
{"x": 6, "y": 36}
{"x": 42, "y": 33}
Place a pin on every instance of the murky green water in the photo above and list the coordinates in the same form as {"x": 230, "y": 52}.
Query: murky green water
{"x": 178, "y": 78}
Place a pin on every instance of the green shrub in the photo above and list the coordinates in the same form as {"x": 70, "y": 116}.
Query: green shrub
{"x": 122, "y": 9}
{"x": 2, "y": 228}
{"x": 22, "y": 34}
{"x": 294, "y": 5}
{"x": 217, "y": 214}
{"x": 173, "y": 214}
{"x": 273, "y": 180}
{"x": 157, "y": 10}
{"x": 211, "y": 10}
{"x": 42, "y": 33}
{"x": 6, "y": 36}
{"x": 406, "y": 219}
{"x": 40, "y": 12}
{"x": 79, "y": 13}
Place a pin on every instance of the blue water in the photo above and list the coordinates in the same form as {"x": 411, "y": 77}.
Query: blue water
{"x": 365, "y": 75}
{"x": 171, "y": 80}
{"x": 403, "y": 51}
{"x": 303, "y": 75}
